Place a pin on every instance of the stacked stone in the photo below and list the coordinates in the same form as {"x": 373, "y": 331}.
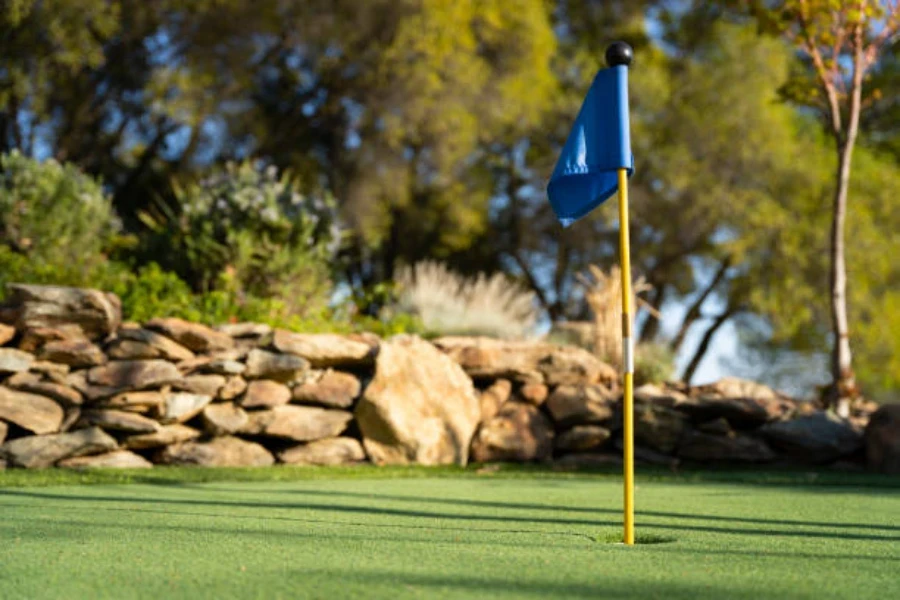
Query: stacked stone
{"x": 78, "y": 388}
{"x": 82, "y": 389}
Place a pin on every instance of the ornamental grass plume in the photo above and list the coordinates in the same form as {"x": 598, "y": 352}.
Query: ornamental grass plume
{"x": 448, "y": 303}
{"x": 603, "y": 293}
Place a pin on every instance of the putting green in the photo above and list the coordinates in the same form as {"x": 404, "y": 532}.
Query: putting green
{"x": 447, "y": 537}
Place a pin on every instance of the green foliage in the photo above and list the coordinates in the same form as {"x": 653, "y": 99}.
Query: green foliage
{"x": 653, "y": 363}
{"x": 250, "y": 234}
{"x": 55, "y": 222}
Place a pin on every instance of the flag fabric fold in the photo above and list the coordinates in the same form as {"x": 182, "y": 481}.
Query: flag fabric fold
{"x": 586, "y": 174}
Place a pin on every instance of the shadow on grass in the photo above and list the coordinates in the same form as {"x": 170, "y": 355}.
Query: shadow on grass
{"x": 333, "y": 507}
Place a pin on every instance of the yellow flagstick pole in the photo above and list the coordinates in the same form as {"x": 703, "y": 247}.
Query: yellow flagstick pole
{"x": 627, "y": 357}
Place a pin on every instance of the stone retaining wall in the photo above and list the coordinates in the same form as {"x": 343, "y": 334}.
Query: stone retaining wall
{"x": 78, "y": 388}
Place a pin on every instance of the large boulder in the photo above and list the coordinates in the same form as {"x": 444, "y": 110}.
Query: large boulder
{"x": 31, "y": 306}
{"x": 821, "y": 437}
{"x": 332, "y": 451}
{"x": 518, "y": 433}
{"x": 571, "y": 405}
{"x": 193, "y": 336}
{"x": 134, "y": 374}
{"x": 883, "y": 440}
{"x": 733, "y": 448}
{"x": 526, "y": 362}
{"x": 219, "y": 452}
{"x": 420, "y": 407}
{"x": 330, "y": 388}
{"x": 44, "y": 450}
{"x": 298, "y": 423}
{"x": 325, "y": 349}
{"x": 745, "y": 404}
{"x": 118, "y": 459}
{"x": 37, "y": 414}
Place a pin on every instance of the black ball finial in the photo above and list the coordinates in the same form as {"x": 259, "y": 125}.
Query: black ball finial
{"x": 619, "y": 53}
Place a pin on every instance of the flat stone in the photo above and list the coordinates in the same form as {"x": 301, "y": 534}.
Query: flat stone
{"x": 225, "y": 367}
{"x": 7, "y": 333}
{"x": 581, "y": 438}
{"x": 165, "y": 436}
{"x": 526, "y": 361}
{"x": 37, "y": 414}
{"x": 325, "y": 349}
{"x": 38, "y": 451}
{"x": 333, "y": 451}
{"x": 134, "y": 374}
{"x": 77, "y": 353}
{"x": 132, "y": 400}
{"x": 193, "y": 336}
{"x": 518, "y": 433}
{"x": 181, "y": 407}
{"x": 264, "y": 393}
{"x": 743, "y": 403}
{"x": 159, "y": 345}
{"x": 819, "y": 438}
{"x": 735, "y": 448}
{"x": 65, "y": 395}
{"x": 571, "y": 405}
{"x": 882, "y": 440}
{"x": 298, "y": 423}
{"x": 494, "y": 397}
{"x": 657, "y": 427}
{"x": 223, "y": 418}
{"x": 34, "y": 338}
{"x": 333, "y": 389}
{"x": 207, "y": 385}
{"x": 78, "y": 380}
{"x": 52, "y": 370}
{"x": 420, "y": 406}
{"x": 98, "y": 314}
{"x": 118, "y": 420}
{"x": 245, "y": 330}
{"x": 534, "y": 393}
{"x": 268, "y": 365}
{"x": 4, "y": 429}
{"x": 73, "y": 415}
{"x": 718, "y": 426}
{"x": 14, "y": 361}
{"x": 650, "y": 393}
{"x": 234, "y": 387}
{"x": 219, "y": 452}
{"x": 118, "y": 459}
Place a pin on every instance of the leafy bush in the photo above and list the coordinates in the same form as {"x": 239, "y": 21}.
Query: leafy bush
{"x": 653, "y": 363}
{"x": 250, "y": 234}
{"x": 55, "y": 223}
{"x": 447, "y": 303}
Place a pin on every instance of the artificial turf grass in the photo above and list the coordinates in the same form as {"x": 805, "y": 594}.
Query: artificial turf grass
{"x": 454, "y": 536}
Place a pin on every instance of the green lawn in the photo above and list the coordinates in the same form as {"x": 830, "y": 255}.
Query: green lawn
{"x": 377, "y": 534}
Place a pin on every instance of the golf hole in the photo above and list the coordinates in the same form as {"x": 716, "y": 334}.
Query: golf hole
{"x": 640, "y": 539}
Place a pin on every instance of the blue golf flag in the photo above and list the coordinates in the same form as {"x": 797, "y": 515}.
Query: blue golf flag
{"x": 598, "y": 146}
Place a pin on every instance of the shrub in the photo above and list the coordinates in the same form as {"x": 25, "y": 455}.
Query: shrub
{"x": 251, "y": 234}
{"x": 55, "y": 223}
{"x": 447, "y": 303}
{"x": 653, "y": 363}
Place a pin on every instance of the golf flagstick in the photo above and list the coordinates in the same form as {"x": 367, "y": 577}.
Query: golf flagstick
{"x": 627, "y": 358}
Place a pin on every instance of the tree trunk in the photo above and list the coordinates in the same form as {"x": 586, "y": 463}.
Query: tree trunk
{"x": 701, "y": 350}
{"x": 651, "y": 325}
{"x": 693, "y": 312}
{"x": 844, "y": 385}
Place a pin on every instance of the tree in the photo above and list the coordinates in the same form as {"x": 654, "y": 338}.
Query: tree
{"x": 841, "y": 41}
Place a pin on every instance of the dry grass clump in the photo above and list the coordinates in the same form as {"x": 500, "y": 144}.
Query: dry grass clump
{"x": 448, "y": 303}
